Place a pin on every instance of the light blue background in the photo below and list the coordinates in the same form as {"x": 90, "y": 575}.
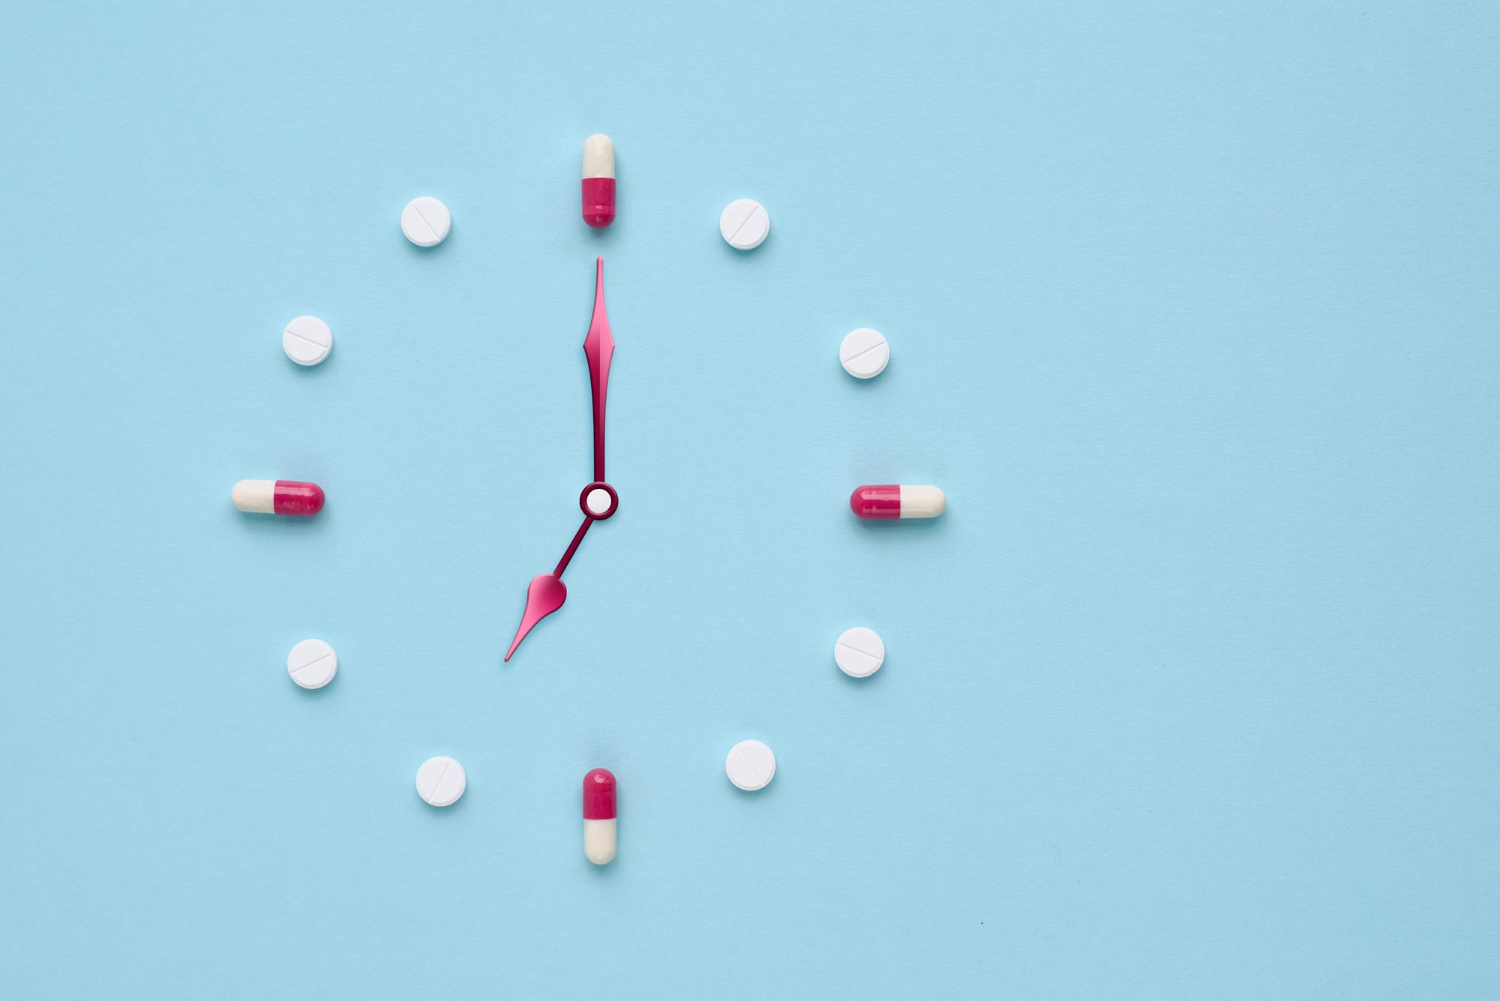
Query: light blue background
{"x": 1192, "y": 693}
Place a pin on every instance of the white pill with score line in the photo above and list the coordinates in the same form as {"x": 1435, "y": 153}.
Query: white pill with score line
{"x": 307, "y": 340}
{"x": 744, "y": 224}
{"x": 750, "y": 765}
{"x": 426, "y": 221}
{"x": 312, "y": 663}
{"x": 859, "y": 652}
{"x": 441, "y": 780}
{"x": 864, "y": 353}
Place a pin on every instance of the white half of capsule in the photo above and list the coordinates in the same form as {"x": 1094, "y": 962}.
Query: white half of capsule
{"x": 598, "y": 156}
{"x": 255, "y": 496}
{"x": 599, "y": 840}
{"x": 922, "y": 502}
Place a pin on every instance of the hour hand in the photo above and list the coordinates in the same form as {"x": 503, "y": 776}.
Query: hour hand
{"x": 546, "y": 594}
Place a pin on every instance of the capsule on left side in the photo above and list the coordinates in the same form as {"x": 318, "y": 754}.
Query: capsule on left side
{"x": 286, "y": 497}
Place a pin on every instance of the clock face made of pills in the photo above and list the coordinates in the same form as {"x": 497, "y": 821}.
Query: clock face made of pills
{"x": 864, "y": 354}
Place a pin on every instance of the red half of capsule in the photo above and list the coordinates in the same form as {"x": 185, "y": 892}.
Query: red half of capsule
{"x": 295, "y": 498}
{"x": 598, "y": 201}
{"x": 882, "y": 501}
{"x": 599, "y": 795}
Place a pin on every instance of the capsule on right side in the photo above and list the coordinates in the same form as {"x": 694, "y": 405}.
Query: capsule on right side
{"x": 286, "y": 497}
{"x": 897, "y": 501}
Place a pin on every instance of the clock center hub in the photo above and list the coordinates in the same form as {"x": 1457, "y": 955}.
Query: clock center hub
{"x": 599, "y": 500}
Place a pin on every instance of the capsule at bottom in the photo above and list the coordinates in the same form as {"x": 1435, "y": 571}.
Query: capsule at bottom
{"x": 286, "y": 497}
{"x": 599, "y": 816}
{"x": 896, "y": 501}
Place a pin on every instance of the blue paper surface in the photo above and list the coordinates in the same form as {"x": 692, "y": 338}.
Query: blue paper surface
{"x": 1192, "y": 693}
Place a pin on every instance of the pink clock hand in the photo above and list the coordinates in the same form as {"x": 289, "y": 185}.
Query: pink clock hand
{"x": 599, "y": 348}
{"x": 547, "y": 592}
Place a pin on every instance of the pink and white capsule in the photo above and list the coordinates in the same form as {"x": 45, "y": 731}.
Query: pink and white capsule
{"x": 277, "y": 497}
{"x": 599, "y": 816}
{"x": 897, "y": 501}
{"x": 598, "y": 180}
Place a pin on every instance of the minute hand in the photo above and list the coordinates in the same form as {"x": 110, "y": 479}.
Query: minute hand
{"x": 599, "y": 347}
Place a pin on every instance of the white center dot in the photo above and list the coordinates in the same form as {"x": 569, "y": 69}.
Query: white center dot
{"x": 598, "y": 500}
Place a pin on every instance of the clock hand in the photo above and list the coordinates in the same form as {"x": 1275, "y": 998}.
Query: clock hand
{"x": 599, "y": 347}
{"x": 547, "y": 592}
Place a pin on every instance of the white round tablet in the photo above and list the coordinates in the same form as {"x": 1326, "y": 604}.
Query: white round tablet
{"x": 312, "y": 663}
{"x": 864, "y": 353}
{"x": 745, "y": 224}
{"x": 859, "y": 652}
{"x": 307, "y": 340}
{"x": 441, "y": 780}
{"x": 750, "y": 765}
{"x": 426, "y": 221}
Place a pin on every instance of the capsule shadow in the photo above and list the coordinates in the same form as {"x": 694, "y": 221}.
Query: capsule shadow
{"x": 269, "y": 524}
{"x": 901, "y": 526}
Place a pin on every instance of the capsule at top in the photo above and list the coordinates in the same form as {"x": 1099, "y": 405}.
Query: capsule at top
{"x": 598, "y": 180}
{"x": 897, "y": 501}
{"x": 277, "y": 497}
{"x": 599, "y": 816}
